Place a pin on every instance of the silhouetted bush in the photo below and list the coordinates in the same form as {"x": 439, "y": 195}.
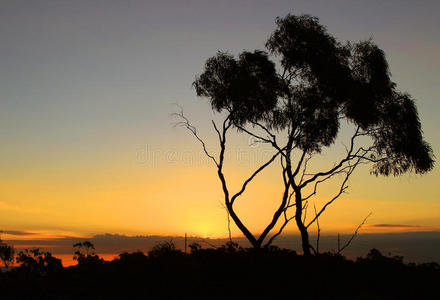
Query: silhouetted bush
{"x": 7, "y": 253}
{"x": 39, "y": 263}
{"x": 164, "y": 249}
{"x": 227, "y": 272}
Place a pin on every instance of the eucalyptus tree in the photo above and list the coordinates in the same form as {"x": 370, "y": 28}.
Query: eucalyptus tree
{"x": 294, "y": 97}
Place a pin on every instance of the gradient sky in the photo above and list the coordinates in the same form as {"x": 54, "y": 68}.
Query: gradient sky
{"x": 86, "y": 92}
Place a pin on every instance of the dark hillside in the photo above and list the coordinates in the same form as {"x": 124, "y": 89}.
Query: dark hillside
{"x": 228, "y": 272}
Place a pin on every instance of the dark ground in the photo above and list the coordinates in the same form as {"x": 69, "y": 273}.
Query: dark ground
{"x": 229, "y": 272}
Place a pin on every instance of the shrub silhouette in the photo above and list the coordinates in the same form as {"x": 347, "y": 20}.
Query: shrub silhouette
{"x": 37, "y": 262}
{"x": 7, "y": 254}
{"x": 164, "y": 249}
{"x": 228, "y": 272}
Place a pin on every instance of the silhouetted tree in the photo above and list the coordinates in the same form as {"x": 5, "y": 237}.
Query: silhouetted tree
{"x": 195, "y": 247}
{"x": 89, "y": 256}
{"x": 164, "y": 249}
{"x": 297, "y": 109}
{"x": 37, "y": 262}
{"x": 6, "y": 253}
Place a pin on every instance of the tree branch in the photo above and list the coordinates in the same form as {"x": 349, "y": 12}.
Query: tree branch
{"x": 354, "y": 234}
{"x": 347, "y": 158}
{"x": 253, "y": 175}
{"x": 185, "y": 123}
{"x": 342, "y": 188}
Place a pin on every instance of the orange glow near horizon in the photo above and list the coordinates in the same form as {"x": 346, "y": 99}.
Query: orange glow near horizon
{"x": 174, "y": 199}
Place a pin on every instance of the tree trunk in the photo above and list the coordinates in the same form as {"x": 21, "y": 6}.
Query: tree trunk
{"x": 300, "y": 224}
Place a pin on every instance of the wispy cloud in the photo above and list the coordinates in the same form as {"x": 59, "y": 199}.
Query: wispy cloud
{"x": 18, "y": 232}
{"x": 395, "y": 226}
{"x": 38, "y": 235}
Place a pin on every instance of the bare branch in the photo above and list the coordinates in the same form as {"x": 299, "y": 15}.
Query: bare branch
{"x": 342, "y": 188}
{"x": 354, "y": 234}
{"x": 185, "y": 123}
{"x": 315, "y": 188}
{"x": 340, "y": 164}
{"x": 262, "y": 167}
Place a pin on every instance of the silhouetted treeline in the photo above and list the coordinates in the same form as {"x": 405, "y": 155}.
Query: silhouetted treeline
{"x": 228, "y": 272}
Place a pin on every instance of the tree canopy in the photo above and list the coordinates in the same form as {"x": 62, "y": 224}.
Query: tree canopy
{"x": 322, "y": 82}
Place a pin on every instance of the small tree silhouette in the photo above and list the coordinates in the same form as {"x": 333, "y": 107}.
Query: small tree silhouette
{"x": 164, "y": 249}
{"x": 89, "y": 256}
{"x": 298, "y": 110}
{"x": 195, "y": 247}
{"x": 7, "y": 253}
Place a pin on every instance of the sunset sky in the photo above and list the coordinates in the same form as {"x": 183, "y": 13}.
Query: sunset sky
{"x": 88, "y": 146}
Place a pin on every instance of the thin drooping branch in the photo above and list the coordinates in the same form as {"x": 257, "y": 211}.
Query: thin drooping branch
{"x": 185, "y": 123}
{"x": 340, "y": 249}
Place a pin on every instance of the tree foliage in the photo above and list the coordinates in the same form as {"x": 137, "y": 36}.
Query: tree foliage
{"x": 323, "y": 82}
